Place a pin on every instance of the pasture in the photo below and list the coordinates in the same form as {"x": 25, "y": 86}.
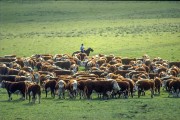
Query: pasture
{"x": 125, "y": 28}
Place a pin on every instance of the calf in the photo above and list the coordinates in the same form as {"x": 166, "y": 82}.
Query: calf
{"x": 12, "y": 87}
{"x": 33, "y": 90}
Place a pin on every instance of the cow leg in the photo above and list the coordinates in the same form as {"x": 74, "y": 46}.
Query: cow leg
{"x": 23, "y": 95}
{"x": 46, "y": 92}
{"x": 34, "y": 97}
{"x": 9, "y": 94}
{"x": 152, "y": 93}
{"x": 29, "y": 97}
{"x": 139, "y": 93}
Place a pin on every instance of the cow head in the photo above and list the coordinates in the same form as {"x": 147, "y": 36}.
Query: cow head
{"x": 75, "y": 84}
{"x": 115, "y": 85}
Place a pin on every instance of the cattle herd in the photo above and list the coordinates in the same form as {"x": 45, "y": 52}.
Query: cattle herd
{"x": 108, "y": 76}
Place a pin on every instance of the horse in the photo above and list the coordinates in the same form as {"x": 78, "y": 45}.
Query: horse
{"x": 85, "y": 51}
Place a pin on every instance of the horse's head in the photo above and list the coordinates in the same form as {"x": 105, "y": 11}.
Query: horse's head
{"x": 91, "y": 49}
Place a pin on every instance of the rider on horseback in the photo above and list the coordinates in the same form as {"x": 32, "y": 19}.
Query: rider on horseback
{"x": 82, "y": 48}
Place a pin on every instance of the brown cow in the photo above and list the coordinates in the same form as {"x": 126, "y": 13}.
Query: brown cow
{"x": 174, "y": 88}
{"x": 63, "y": 64}
{"x": 50, "y": 85}
{"x": 12, "y": 71}
{"x": 143, "y": 85}
{"x": 3, "y": 69}
{"x": 12, "y": 87}
{"x": 72, "y": 87}
{"x": 101, "y": 86}
{"x": 10, "y": 78}
{"x": 33, "y": 90}
{"x": 158, "y": 84}
{"x": 124, "y": 88}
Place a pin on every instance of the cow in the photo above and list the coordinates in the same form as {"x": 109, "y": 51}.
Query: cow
{"x": 33, "y": 90}
{"x": 50, "y": 85}
{"x": 10, "y": 78}
{"x": 131, "y": 85}
{"x": 72, "y": 87}
{"x": 63, "y": 72}
{"x": 63, "y": 64}
{"x": 3, "y": 69}
{"x": 158, "y": 84}
{"x": 101, "y": 86}
{"x": 81, "y": 88}
{"x": 62, "y": 87}
{"x": 12, "y": 71}
{"x": 174, "y": 88}
{"x": 36, "y": 77}
{"x": 13, "y": 87}
{"x": 124, "y": 88}
{"x": 145, "y": 84}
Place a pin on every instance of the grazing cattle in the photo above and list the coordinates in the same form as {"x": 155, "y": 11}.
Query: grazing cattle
{"x": 13, "y": 87}
{"x": 33, "y": 90}
{"x": 21, "y": 78}
{"x": 36, "y": 77}
{"x": 153, "y": 75}
{"x": 124, "y": 88}
{"x": 61, "y": 90}
{"x": 97, "y": 72}
{"x": 10, "y": 78}
{"x": 2, "y": 59}
{"x": 131, "y": 85}
{"x": 50, "y": 85}
{"x": 72, "y": 87}
{"x": 174, "y": 63}
{"x": 143, "y": 85}
{"x": 3, "y": 69}
{"x": 63, "y": 72}
{"x": 174, "y": 88}
{"x": 74, "y": 68}
{"x": 101, "y": 87}
{"x": 63, "y": 64}
{"x": 126, "y": 61}
{"x": 165, "y": 84}
{"x": 123, "y": 73}
{"x": 81, "y": 88}
{"x": 12, "y": 71}
{"x": 158, "y": 84}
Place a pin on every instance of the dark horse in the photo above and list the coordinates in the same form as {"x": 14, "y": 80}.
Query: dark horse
{"x": 85, "y": 51}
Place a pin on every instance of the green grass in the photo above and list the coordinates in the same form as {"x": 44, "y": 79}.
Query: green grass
{"x": 127, "y": 29}
{"x": 160, "y": 107}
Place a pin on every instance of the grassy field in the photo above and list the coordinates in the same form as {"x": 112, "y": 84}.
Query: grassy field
{"x": 159, "y": 108}
{"x": 127, "y": 29}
